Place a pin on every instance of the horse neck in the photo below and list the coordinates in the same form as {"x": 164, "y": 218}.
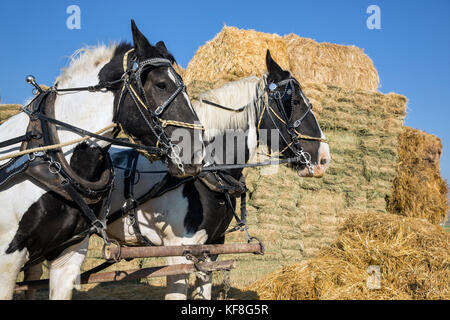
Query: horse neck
{"x": 246, "y": 92}
{"x": 83, "y": 109}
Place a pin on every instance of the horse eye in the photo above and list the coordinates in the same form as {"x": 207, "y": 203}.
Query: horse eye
{"x": 161, "y": 85}
{"x": 296, "y": 102}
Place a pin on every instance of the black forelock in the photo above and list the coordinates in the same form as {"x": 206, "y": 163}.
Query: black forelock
{"x": 122, "y": 48}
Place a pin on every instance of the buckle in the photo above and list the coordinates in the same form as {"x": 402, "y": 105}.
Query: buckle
{"x": 130, "y": 204}
{"x": 54, "y": 167}
{"x": 159, "y": 110}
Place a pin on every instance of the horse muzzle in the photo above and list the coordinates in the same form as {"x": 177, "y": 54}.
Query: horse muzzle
{"x": 318, "y": 169}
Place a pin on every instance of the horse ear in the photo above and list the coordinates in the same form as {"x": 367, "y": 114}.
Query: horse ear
{"x": 162, "y": 47}
{"x": 141, "y": 44}
{"x": 276, "y": 73}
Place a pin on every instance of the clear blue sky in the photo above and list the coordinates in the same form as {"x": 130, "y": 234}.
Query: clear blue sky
{"x": 411, "y": 51}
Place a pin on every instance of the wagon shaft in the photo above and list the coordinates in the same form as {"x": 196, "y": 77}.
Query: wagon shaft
{"x": 172, "y": 251}
{"x": 152, "y": 272}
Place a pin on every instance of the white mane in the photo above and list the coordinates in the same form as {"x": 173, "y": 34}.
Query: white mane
{"x": 84, "y": 60}
{"x": 234, "y": 95}
{"x": 84, "y": 109}
{"x": 90, "y": 111}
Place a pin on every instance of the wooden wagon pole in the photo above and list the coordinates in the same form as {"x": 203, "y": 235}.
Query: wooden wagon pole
{"x": 152, "y": 272}
{"x": 173, "y": 251}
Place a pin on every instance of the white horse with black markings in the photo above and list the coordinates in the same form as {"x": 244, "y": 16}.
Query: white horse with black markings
{"x": 187, "y": 212}
{"x": 126, "y": 84}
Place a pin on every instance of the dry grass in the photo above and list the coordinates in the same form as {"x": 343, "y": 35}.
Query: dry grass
{"x": 418, "y": 189}
{"x": 412, "y": 256}
{"x": 292, "y": 213}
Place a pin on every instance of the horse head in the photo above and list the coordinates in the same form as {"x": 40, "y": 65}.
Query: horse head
{"x": 290, "y": 113}
{"x": 152, "y": 106}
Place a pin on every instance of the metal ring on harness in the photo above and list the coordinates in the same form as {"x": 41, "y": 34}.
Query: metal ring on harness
{"x": 115, "y": 258}
{"x": 262, "y": 246}
{"x": 197, "y": 260}
{"x": 56, "y": 165}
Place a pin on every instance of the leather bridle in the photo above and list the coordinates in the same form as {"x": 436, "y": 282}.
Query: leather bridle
{"x": 274, "y": 93}
{"x": 133, "y": 70}
{"x": 131, "y": 77}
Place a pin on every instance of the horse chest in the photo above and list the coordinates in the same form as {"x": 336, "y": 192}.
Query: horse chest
{"x": 48, "y": 222}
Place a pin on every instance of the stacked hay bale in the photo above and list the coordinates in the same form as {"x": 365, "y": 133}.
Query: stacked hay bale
{"x": 234, "y": 54}
{"x": 329, "y": 63}
{"x": 296, "y": 216}
{"x": 376, "y": 256}
{"x": 304, "y": 214}
{"x": 418, "y": 189}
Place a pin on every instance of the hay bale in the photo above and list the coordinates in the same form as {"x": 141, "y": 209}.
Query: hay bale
{"x": 179, "y": 69}
{"x": 8, "y": 110}
{"x": 418, "y": 188}
{"x": 329, "y": 63}
{"x": 412, "y": 257}
{"x": 233, "y": 54}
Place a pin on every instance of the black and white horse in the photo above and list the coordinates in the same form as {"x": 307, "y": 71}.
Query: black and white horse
{"x": 194, "y": 214}
{"x": 33, "y": 218}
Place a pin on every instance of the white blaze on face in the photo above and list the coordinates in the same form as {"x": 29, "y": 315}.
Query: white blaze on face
{"x": 323, "y": 160}
{"x": 324, "y": 152}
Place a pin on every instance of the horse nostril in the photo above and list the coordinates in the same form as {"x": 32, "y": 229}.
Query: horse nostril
{"x": 323, "y": 161}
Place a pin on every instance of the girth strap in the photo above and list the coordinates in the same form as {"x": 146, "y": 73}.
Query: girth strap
{"x": 166, "y": 184}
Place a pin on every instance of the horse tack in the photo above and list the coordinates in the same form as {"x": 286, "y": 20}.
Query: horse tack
{"x": 132, "y": 73}
{"x": 217, "y": 181}
{"x": 51, "y": 168}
